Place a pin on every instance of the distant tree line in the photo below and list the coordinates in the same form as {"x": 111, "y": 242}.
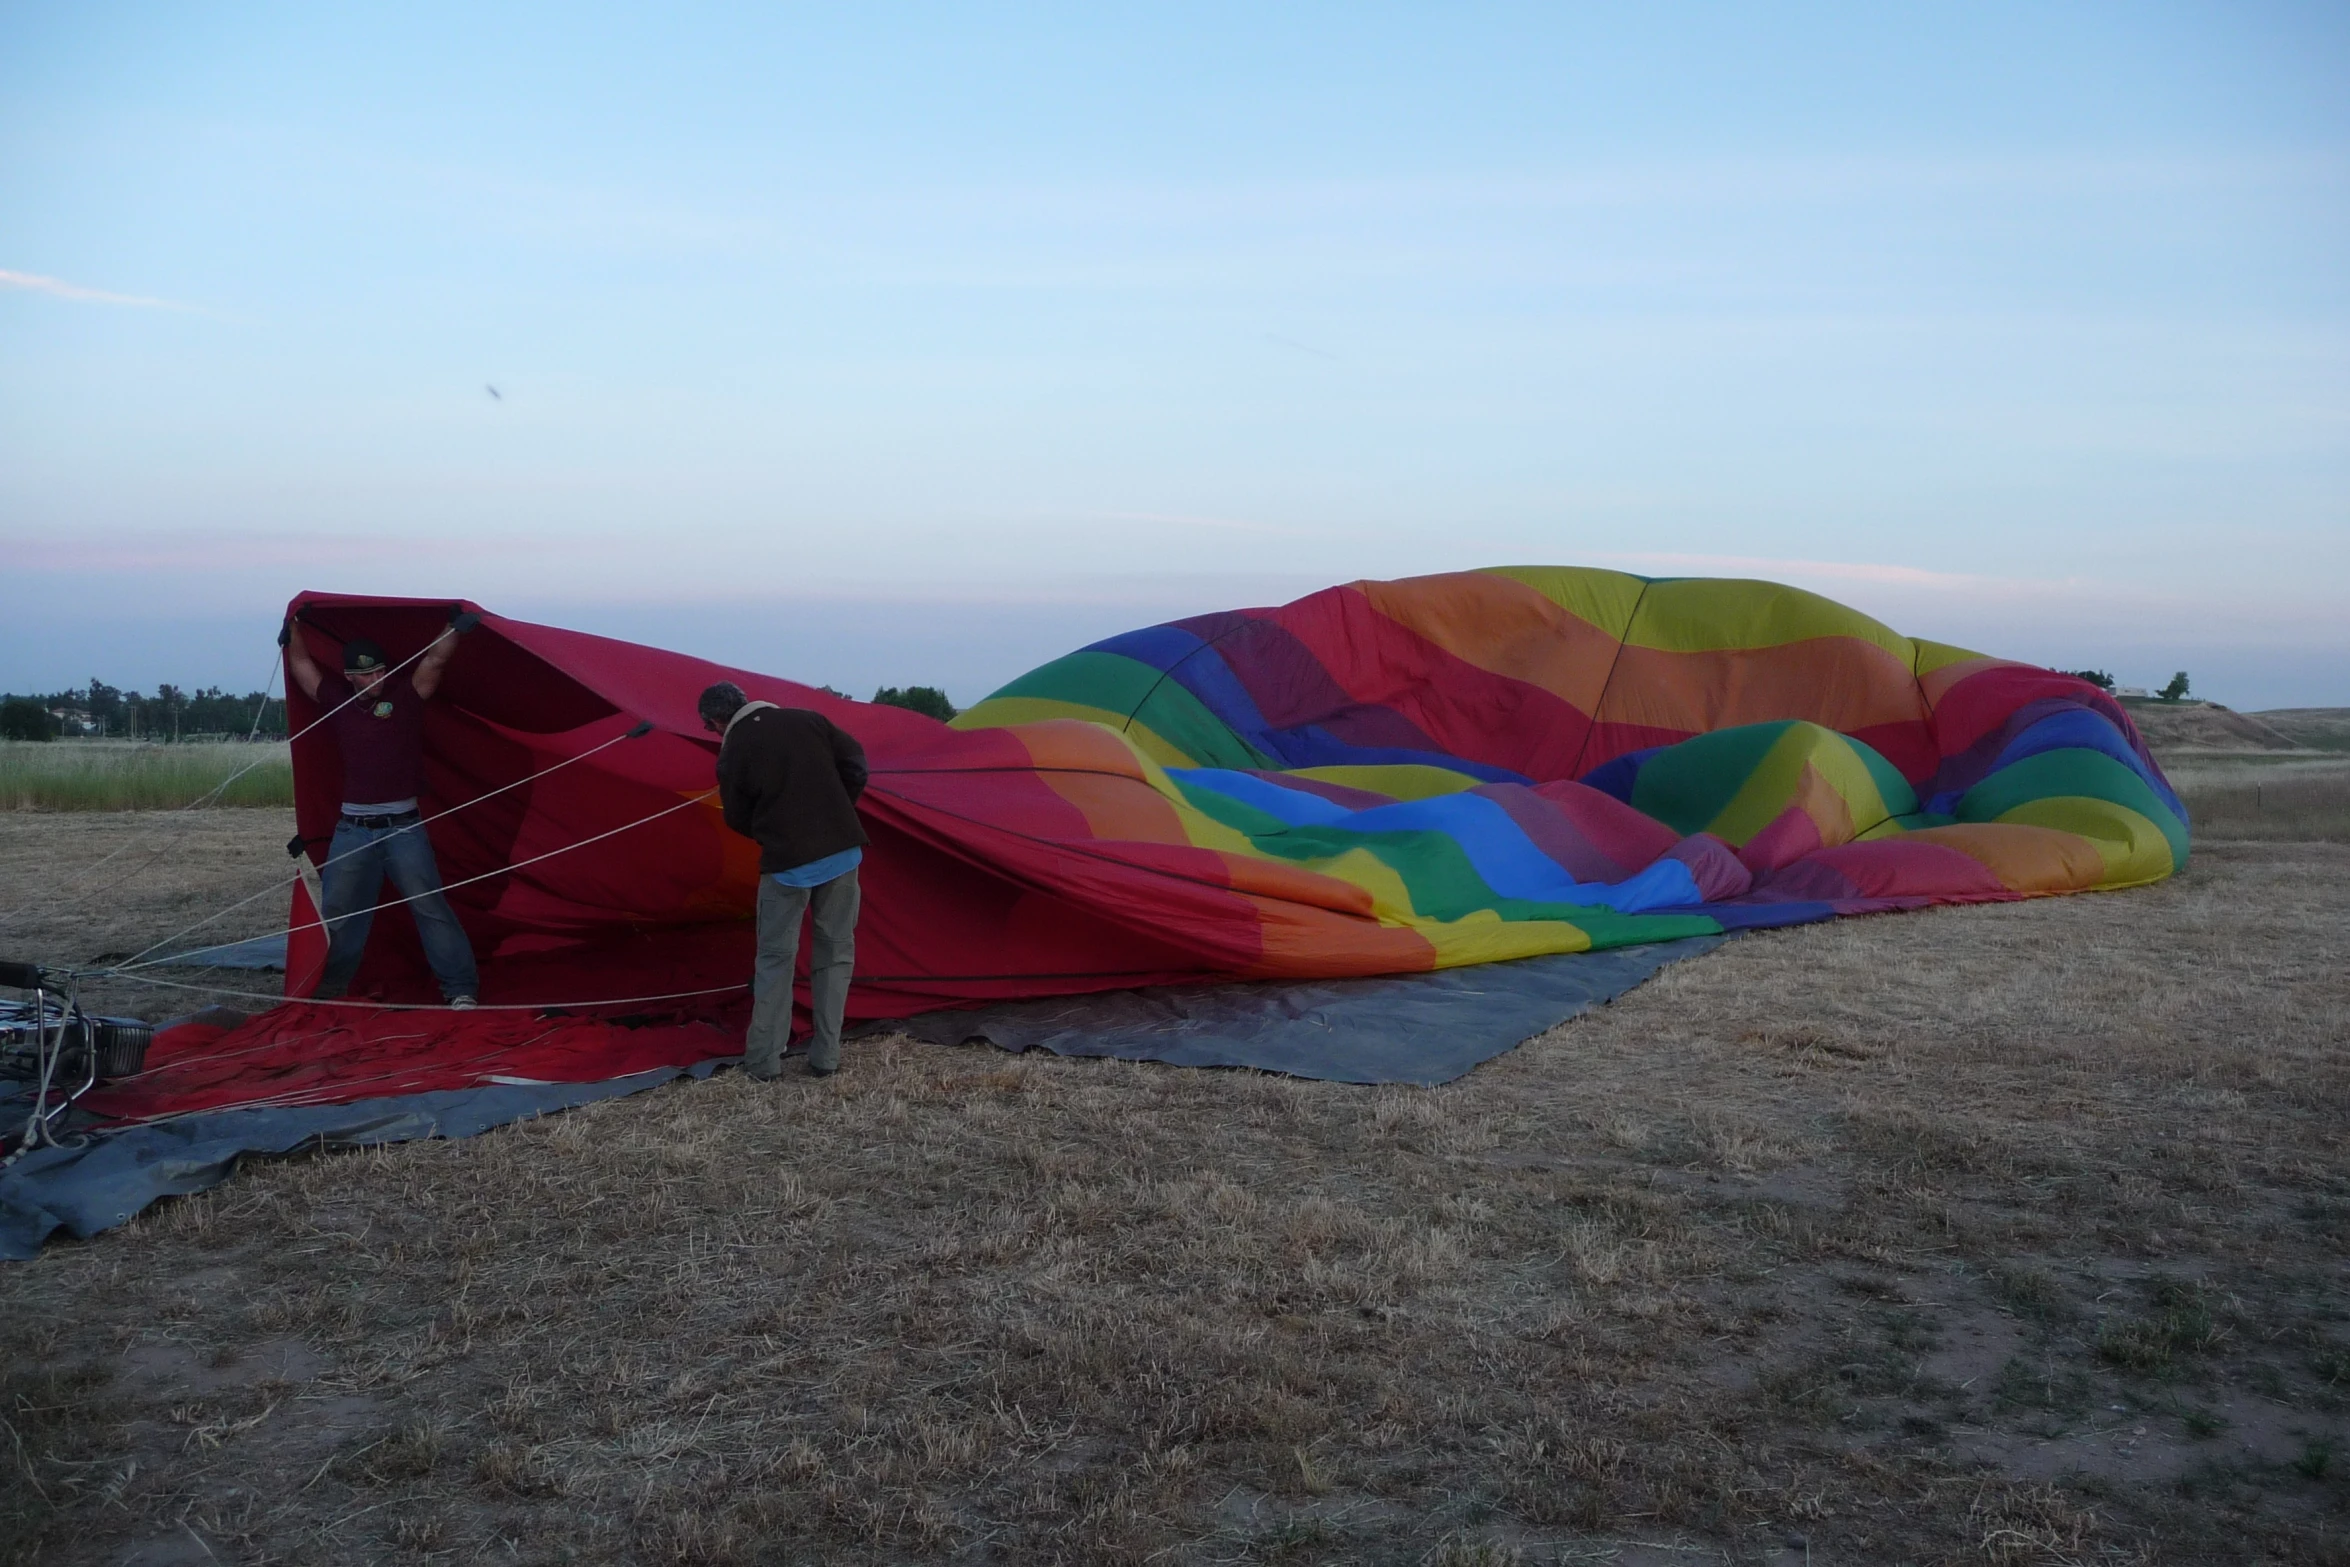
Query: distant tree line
{"x": 99, "y": 710}
{"x": 928, "y": 700}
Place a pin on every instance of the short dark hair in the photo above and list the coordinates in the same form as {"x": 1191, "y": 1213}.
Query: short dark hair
{"x": 359, "y": 654}
{"x": 722, "y": 701}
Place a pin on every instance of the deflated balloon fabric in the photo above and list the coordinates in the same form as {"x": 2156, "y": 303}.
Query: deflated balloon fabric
{"x": 1381, "y": 778}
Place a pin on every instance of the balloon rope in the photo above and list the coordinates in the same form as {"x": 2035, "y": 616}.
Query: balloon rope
{"x": 400, "y": 1006}
{"x": 669, "y": 810}
{"x": 201, "y": 800}
{"x": 284, "y": 882}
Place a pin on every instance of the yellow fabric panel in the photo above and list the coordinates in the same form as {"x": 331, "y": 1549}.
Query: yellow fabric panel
{"x": 1485, "y": 937}
{"x": 1811, "y": 767}
{"x": 1932, "y": 656}
{"x": 1391, "y": 900}
{"x": 1715, "y": 614}
{"x": 1599, "y": 598}
{"x": 1005, "y": 712}
{"x": 2024, "y": 858}
{"x": 1397, "y": 780}
{"x": 2134, "y": 848}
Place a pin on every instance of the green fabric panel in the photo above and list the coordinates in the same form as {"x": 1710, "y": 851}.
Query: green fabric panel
{"x": 1185, "y": 722}
{"x": 1686, "y": 786}
{"x": 1235, "y": 814}
{"x": 1607, "y": 928}
{"x": 1900, "y": 798}
{"x": 2077, "y": 772}
{"x": 1436, "y": 875}
{"x": 1110, "y": 681}
{"x": 1118, "y": 684}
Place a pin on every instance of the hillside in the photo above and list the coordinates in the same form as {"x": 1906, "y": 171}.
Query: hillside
{"x": 2207, "y": 726}
{"x": 2318, "y": 728}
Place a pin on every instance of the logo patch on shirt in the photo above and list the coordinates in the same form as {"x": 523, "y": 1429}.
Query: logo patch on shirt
{"x": 383, "y": 709}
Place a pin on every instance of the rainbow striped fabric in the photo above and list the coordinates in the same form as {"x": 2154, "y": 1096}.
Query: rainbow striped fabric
{"x": 1495, "y": 764}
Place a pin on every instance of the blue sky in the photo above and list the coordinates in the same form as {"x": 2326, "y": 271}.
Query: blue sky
{"x": 921, "y": 344}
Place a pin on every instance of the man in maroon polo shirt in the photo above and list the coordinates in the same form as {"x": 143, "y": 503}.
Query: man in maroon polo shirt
{"x": 377, "y": 719}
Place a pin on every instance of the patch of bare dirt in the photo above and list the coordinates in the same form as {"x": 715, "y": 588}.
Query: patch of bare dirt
{"x": 94, "y": 887}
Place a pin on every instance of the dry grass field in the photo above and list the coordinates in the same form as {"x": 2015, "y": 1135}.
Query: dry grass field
{"x": 2012, "y": 1234}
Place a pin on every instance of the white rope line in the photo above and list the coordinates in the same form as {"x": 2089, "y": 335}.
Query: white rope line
{"x": 221, "y": 788}
{"x": 446, "y": 887}
{"x": 268, "y": 685}
{"x": 283, "y": 882}
{"x": 277, "y": 667}
{"x": 207, "y": 797}
{"x": 396, "y": 1006}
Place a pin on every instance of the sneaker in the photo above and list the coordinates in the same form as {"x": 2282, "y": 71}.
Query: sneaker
{"x": 462, "y": 1003}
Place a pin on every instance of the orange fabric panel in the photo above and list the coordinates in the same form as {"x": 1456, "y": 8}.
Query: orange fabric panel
{"x": 1842, "y": 683}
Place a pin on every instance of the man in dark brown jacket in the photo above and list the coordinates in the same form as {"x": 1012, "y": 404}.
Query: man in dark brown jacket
{"x": 789, "y": 780}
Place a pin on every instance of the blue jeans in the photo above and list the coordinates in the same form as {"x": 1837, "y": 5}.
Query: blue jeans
{"x": 357, "y": 862}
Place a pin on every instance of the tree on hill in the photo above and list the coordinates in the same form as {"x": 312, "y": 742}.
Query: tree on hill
{"x": 2175, "y": 690}
{"x": 2096, "y": 677}
{"x": 929, "y": 701}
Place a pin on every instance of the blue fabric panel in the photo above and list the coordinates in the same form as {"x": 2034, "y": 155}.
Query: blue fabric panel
{"x": 2087, "y": 730}
{"x": 1207, "y": 677}
{"x": 1294, "y": 806}
{"x": 1161, "y": 647}
{"x": 1618, "y": 777}
{"x": 1498, "y": 849}
{"x": 1310, "y": 745}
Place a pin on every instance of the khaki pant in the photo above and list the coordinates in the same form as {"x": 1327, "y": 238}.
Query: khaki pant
{"x": 832, "y": 959}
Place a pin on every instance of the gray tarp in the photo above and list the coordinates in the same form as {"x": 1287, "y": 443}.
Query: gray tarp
{"x": 105, "y": 1178}
{"x": 1413, "y": 1028}
{"x": 1406, "y": 1028}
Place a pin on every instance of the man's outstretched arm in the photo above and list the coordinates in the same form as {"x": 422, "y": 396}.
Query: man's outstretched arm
{"x": 427, "y": 678}
{"x": 299, "y": 663}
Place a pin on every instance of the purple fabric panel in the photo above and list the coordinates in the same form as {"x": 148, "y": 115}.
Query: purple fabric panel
{"x": 1280, "y": 674}
{"x": 1379, "y": 728}
{"x": 1715, "y": 866}
{"x": 1962, "y": 772}
{"x": 1336, "y": 794}
{"x": 1805, "y": 881}
{"x": 1765, "y": 916}
{"x": 1555, "y": 835}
